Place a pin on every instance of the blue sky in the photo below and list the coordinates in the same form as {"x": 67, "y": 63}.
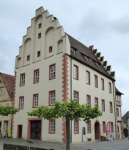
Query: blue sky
{"x": 104, "y": 24}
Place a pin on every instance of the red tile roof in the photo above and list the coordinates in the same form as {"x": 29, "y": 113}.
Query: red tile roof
{"x": 9, "y": 83}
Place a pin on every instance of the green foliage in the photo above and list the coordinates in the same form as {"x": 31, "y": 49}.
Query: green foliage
{"x": 6, "y": 110}
{"x": 71, "y": 108}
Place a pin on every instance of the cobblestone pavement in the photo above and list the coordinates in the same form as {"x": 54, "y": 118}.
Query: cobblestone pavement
{"x": 94, "y": 145}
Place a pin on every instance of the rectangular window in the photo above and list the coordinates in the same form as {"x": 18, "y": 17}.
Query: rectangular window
{"x": 118, "y": 129}
{"x": 76, "y": 126}
{"x": 111, "y": 126}
{"x": 103, "y": 105}
{"x": 87, "y": 77}
{"x": 104, "y": 127}
{"x": 50, "y": 49}
{"x": 38, "y": 54}
{"x": 88, "y": 100}
{"x": 22, "y": 79}
{"x": 76, "y": 96}
{"x": 110, "y": 88}
{"x": 21, "y": 103}
{"x": 40, "y": 25}
{"x": 52, "y": 72}
{"x": 52, "y": 97}
{"x": 96, "y": 101}
{"x": 39, "y": 35}
{"x": 76, "y": 72}
{"x": 102, "y": 84}
{"x": 74, "y": 51}
{"x": 96, "y": 81}
{"x": 52, "y": 126}
{"x": 118, "y": 98}
{"x": 0, "y": 92}
{"x": 117, "y": 112}
{"x": 89, "y": 127}
{"x": 36, "y": 100}
{"x": 110, "y": 103}
{"x": 28, "y": 57}
{"x": 36, "y": 76}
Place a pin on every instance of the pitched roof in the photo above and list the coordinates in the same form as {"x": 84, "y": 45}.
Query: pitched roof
{"x": 9, "y": 83}
{"x": 124, "y": 118}
{"x": 118, "y": 92}
{"x": 82, "y": 51}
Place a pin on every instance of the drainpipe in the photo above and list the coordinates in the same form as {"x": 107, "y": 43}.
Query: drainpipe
{"x": 71, "y": 91}
{"x": 114, "y": 110}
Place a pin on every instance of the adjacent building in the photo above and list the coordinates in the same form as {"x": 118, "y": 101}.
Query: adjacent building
{"x": 6, "y": 99}
{"x": 125, "y": 125}
{"x": 52, "y": 65}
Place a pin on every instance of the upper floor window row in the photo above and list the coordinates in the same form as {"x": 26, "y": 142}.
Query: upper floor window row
{"x": 52, "y": 75}
{"x": 40, "y": 25}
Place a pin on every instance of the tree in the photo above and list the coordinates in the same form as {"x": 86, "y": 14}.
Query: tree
{"x": 6, "y": 110}
{"x": 71, "y": 110}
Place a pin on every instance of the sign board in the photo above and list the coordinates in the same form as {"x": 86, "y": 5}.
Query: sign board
{"x": 110, "y": 137}
{"x": 108, "y": 128}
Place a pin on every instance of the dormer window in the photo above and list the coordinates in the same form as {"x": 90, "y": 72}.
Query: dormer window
{"x": 86, "y": 58}
{"x": 40, "y": 25}
{"x": 38, "y": 54}
{"x": 74, "y": 51}
{"x": 97, "y": 64}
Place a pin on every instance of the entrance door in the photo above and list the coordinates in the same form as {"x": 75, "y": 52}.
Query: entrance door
{"x": 97, "y": 130}
{"x": 20, "y": 131}
{"x": 36, "y": 130}
{"x": 5, "y": 128}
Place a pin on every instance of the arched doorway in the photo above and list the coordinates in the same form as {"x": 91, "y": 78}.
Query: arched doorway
{"x": 125, "y": 132}
{"x": 97, "y": 130}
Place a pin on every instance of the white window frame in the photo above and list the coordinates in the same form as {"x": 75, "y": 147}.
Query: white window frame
{"x": 36, "y": 100}
{"x": 87, "y": 77}
{"x": 75, "y": 96}
{"x": 75, "y": 72}
{"x": 88, "y": 100}
{"x": 96, "y": 100}
{"x": 102, "y": 84}
{"x": 75, "y": 126}
{"x": 95, "y": 78}
{"x": 52, "y": 126}
{"x": 22, "y": 79}
{"x": 52, "y": 71}
{"x": 52, "y": 97}
{"x": 36, "y": 76}
{"x": 103, "y": 126}
{"x": 0, "y": 92}
{"x": 21, "y": 102}
{"x": 88, "y": 127}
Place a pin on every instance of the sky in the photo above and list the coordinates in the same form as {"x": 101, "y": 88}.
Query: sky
{"x": 102, "y": 23}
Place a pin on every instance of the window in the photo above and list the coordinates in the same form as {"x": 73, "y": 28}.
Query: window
{"x": 118, "y": 129}
{"x": 38, "y": 54}
{"x": 39, "y": 35}
{"x": 87, "y": 77}
{"x": 40, "y": 25}
{"x": 89, "y": 127}
{"x": 96, "y": 81}
{"x": 88, "y": 100}
{"x": 102, "y": 84}
{"x": 36, "y": 76}
{"x": 76, "y": 126}
{"x": 111, "y": 126}
{"x": 7, "y": 104}
{"x": 52, "y": 97}
{"x": 52, "y": 72}
{"x": 28, "y": 57}
{"x": 76, "y": 96}
{"x": 96, "y": 101}
{"x": 110, "y": 103}
{"x": 110, "y": 87}
{"x": 22, "y": 79}
{"x": 35, "y": 100}
{"x": 86, "y": 58}
{"x": 104, "y": 125}
{"x": 0, "y": 92}
{"x": 103, "y": 105}
{"x": 50, "y": 49}
{"x": 117, "y": 111}
{"x": 75, "y": 72}
{"x": 0, "y": 80}
{"x": 52, "y": 126}
{"x": 118, "y": 98}
{"x": 21, "y": 103}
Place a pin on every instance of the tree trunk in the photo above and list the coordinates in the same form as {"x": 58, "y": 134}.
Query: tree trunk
{"x": 67, "y": 133}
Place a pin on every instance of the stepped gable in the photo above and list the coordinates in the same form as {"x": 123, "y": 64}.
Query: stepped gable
{"x": 118, "y": 92}
{"x": 83, "y": 50}
{"x": 9, "y": 83}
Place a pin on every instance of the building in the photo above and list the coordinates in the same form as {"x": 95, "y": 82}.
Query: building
{"x": 6, "y": 99}
{"x": 52, "y": 65}
{"x": 125, "y": 125}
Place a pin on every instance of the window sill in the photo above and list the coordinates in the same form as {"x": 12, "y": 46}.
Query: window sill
{"x": 51, "y": 132}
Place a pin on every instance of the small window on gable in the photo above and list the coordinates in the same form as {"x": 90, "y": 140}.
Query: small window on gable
{"x": 40, "y": 25}
{"x": 0, "y": 92}
{"x": 39, "y": 35}
{"x": 86, "y": 58}
{"x": 73, "y": 51}
{"x": 28, "y": 57}
{"x": 97, "y": 64}
{"x": 50, "y": 49}
{"x": 38, "y": 54}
